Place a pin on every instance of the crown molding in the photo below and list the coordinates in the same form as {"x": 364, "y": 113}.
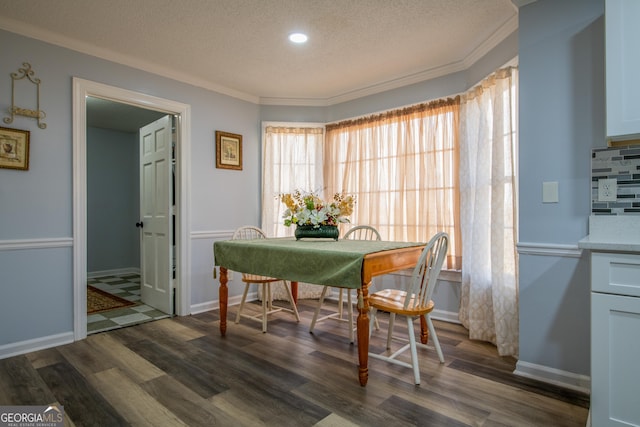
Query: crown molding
{"x": 369, "y": 90}
{"x": 109, "y": 55}
{"x": 496, "y": 38}
{"x": 520, "y": 3}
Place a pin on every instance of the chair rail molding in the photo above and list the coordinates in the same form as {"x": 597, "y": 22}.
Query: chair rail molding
{"x": 212, "y": 234}
{"x": 549, "y": 249}
{"x": 18, "y": 244}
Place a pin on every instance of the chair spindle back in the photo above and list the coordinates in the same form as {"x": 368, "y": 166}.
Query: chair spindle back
{"x": 362, "y": 232}
{"x": 248, "y": 232}
{"x": 426, "y": 272}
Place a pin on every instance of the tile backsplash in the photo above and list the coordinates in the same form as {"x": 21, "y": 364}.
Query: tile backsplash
{"x": 623, "y": 165}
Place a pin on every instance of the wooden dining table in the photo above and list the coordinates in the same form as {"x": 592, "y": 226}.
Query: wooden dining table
{"x": 342, "y": 263}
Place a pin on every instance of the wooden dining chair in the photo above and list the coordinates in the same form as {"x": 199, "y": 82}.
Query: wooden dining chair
{"x": 360, "y": 232}
{"x": 413, "y": 302}
{"x": 250, "y": 233}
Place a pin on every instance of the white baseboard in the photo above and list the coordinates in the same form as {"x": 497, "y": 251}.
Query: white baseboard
{"x": 28, "y": 346}
{"x": 15, "y": 349}
{"x": 577, "y": 382}
{"x": 445, "y": 316}
{"x": 214, "y": 305}
{"x": 114, "y": 272}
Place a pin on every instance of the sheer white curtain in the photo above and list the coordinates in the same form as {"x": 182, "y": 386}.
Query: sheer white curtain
{"x": 488, "y": 138}
{"x": 402, "y": 167}
{"x": 291, "y": 159}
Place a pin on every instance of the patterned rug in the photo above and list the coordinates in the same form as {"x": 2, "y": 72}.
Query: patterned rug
{"x": 98, "y": 301}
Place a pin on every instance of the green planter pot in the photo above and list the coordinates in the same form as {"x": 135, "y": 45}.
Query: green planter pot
{"x": 324, "y": 231}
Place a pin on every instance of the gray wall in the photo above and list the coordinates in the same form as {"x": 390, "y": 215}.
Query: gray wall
{"x": 283, "y": 113}
{"x": 561, "y": 55}
{"x": 113, "y": 200}
{"x": 36, "y": 205}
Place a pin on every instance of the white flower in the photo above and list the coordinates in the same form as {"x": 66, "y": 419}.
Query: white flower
{"x": 309, "y": 209}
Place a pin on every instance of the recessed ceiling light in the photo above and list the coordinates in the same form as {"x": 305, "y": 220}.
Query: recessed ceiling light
{"x": 298, "y": 37}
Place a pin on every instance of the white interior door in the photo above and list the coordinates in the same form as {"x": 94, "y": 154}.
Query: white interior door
{"x": 155, "y": 213}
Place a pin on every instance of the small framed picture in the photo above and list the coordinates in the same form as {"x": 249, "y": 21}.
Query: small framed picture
{"x": 228, "y": 150}
{"x": 14, "y": 149}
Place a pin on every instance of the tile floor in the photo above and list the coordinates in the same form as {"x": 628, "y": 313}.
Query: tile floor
{"x": 126, "y": 286}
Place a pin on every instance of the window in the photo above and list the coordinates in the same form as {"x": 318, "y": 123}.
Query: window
{"x": 402, "y": 166}
{"x": 292, "y": 159}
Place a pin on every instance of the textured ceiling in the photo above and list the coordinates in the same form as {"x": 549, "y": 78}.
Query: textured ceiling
{"x": 240, "y": 47}
{"x": 105, "y": 114}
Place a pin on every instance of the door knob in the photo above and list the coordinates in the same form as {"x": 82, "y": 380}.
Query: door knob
{"x": 139, "y": 224}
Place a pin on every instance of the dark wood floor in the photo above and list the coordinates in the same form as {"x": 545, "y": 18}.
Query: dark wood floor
{"x": 181, "y": 372}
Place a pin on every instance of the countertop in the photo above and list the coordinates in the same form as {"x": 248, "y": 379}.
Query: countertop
{"x": 613, "y": 233}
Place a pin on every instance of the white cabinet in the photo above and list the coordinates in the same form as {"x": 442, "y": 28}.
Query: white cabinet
{"x": 622, "y": 38}
{"x": 615, "y": 273}
{"x": 615, "y": 339}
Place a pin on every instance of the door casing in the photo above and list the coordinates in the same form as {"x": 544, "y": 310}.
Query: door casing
{"x": 81, "y": 90}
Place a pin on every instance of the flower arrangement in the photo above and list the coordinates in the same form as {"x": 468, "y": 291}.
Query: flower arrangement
{"x": 309, "y": 209}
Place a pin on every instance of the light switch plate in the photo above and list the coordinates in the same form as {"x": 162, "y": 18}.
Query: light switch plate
{"x": 607, "y": 190}
{"x": 550, "y": 192}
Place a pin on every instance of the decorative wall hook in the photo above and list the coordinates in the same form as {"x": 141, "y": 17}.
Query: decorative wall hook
{"x": 38, "y": 114}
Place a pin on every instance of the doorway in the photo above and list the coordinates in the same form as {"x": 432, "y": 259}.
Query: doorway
{"x": 115, "y": 295}
{"x": 82, "y": 89}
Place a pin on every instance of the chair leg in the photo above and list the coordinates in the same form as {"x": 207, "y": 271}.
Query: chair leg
{"x": 434, "y": 337}
{"x": 392, "y": 319}
{"x": 244, "y": 298}
{"x": 372, "y": 290}
{"x": 353, "y": 321}
{"x": 372, "y": 318}
{"x": 266, "y": 304}
{"x": 414, "y": 352}
{"x": 350, "y": 315}
{"x": 268, "y": 298}
{"x": 317, "y": 312}
{"x": 294, "y": 308}
{"x": 340, "y": 301}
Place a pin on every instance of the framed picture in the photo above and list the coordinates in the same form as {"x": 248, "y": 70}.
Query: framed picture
{"x": 228, "y": 150}
{"x": 14, "y": 149}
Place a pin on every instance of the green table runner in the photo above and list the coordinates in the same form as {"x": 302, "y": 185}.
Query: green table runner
{"x": 318, "y": 261}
